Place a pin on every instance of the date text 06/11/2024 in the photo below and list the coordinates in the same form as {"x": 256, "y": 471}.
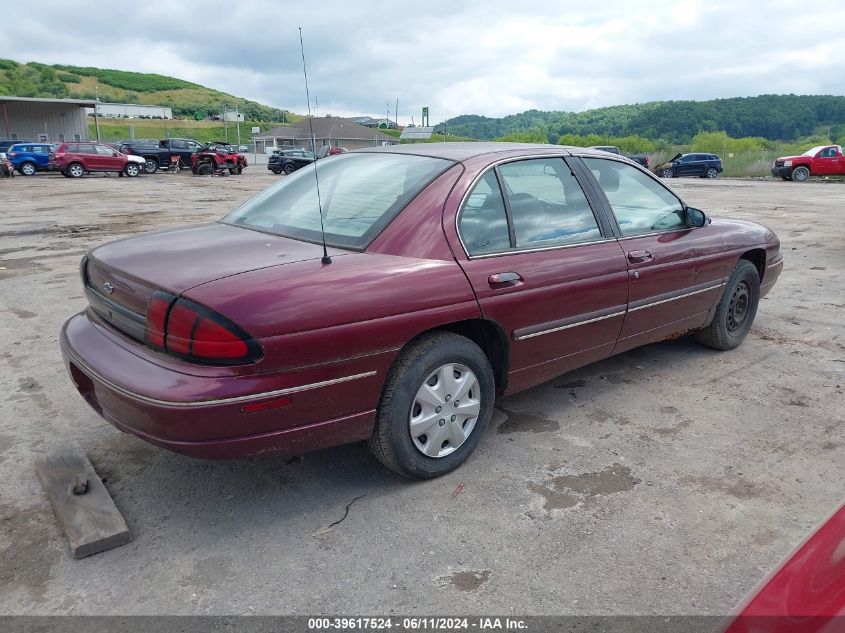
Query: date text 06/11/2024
{"x": 417, "y": 624}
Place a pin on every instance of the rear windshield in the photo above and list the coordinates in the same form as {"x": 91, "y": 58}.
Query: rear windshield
{"x": 360, "y": 194}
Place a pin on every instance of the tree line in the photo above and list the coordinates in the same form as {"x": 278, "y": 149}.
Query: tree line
{"x": 772, "y": 117}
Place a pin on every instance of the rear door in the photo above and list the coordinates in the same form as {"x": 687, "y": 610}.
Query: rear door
{"x": 676, "y": 273}
{"x": 543, "y": 266}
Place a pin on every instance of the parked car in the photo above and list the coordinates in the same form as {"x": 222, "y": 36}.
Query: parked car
{"x": 824, "y": 160}
{"x": 806, "y": 594}
{"x": 642, "y": 159}
{"x": 452, "y": 273}
{"x": 217, "y": 157}
{"x": 76, "y": 159}
{"x": 330, "y": 150}
{"x": 29, "y": 158}
{"x": 6, "y": 143}
{"x": 288, "y": 161}
{"x": 701, "y": 165}
{"x": 157, "y": 154}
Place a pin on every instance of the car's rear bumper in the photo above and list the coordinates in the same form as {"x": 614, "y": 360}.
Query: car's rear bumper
{"x": 207, "y": 415}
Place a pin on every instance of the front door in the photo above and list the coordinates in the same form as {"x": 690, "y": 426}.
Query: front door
{"x": 675, "y": 272}
{"x": 828, "y": 162}
{"x": 108, "y": 159}
{"x": 543, "y": 265}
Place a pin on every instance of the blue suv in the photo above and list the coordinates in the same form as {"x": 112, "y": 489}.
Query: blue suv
{"x": 29, "y": 158}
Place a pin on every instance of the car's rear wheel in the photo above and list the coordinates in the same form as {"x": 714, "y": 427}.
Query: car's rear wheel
{"x": 75, "y": 170}
{"x": 736, "y": 310}
{"x": 205, "y": 170}
{"x": 800, "y": 174}
{"x": 27, "y": 169}
{"x": 437, "y": 400}
{"x": 151, "y": 166}
{"x": 132, "y": 169}
{"x": 711, "y": 172}
{"x": 665, "y": 173}
{"x": 289, "y": 169}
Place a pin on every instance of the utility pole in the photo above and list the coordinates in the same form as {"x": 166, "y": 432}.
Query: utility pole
{"x": 238, "y": 121}
{"x": 96, "y": 108}
{"x": 397, "y": 112}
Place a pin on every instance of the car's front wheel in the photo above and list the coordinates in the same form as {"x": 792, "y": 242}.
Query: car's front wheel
{"x": 132, "y": 169}
{"x": 665, "y": 173}
{"x": 800, "y": 174}
{"x": 27, "y": 169}
{"x": 736, "y": 310}
{"x": 436, "y": 404}
{"x": 204, "y": 170}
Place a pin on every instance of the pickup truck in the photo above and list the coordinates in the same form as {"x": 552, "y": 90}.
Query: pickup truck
{"x": 642, "y": 159}
{"x": 157, "y": 153}
{"x": 824, "y": 160}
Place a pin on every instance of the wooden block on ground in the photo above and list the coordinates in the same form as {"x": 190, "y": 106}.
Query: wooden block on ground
{"x": 91, "y": 521}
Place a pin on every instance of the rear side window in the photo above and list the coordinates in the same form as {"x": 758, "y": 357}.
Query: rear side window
{"x": 483, "y": 223}
{"x": 640, "y": 203}
{"x": 547, "y": 204}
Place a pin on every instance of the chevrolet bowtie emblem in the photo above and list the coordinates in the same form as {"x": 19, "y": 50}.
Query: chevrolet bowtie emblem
{"x": 108, "y": 288}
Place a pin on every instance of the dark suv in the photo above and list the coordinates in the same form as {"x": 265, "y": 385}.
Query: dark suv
{"x": 701, "y": 165}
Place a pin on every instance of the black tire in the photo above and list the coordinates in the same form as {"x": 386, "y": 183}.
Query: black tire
{"x": 665, "y": 173}
{"x": 391, "y": 440}
{"x": 276, "y": 171}
{"x": 132, "y": 169}
{"x": 27, "y": 169}
{"x": 800, "y": 174}
{"x": 239, "y": 170}
{"x": 786, "y": 178}
{"x": 65, "y": 174}
{"x": 151, "y": 166}
{"x": 711, "y": 172}
{"x": 289, "y": 169}
{"x": 75, "y": 170}
{"x": 736, "y": 310}
{"x": 205, "y": 170}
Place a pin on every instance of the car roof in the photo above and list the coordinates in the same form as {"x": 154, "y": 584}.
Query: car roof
{"x": 464, "y": 151}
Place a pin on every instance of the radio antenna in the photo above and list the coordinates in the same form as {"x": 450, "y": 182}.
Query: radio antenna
{"x": 326, "y": 259}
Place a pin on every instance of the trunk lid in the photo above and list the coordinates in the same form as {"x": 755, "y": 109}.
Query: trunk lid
{"x": 120, "y": 277}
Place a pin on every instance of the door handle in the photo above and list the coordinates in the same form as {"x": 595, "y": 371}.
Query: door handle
{"x": 498, "y": 279}
{"x": 636, "y": 257}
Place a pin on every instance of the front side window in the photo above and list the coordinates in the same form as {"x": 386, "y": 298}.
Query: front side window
{"x": 483, "y": 223}
{"x": 547, "y": 204}
{"x": 360, "y": 194}
{"x": 640, "y": 203}
{"x": 104, "y": 151}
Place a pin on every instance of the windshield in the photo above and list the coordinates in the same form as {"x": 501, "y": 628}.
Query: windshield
{"x": 360, "y": 193}
{"x": 814, "y": 151}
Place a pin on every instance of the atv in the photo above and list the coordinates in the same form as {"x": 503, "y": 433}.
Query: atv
{"x": 217, "y": 158}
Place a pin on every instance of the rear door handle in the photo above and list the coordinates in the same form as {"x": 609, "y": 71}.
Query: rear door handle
{"x": 636, "y": 257}
{"x": 498, "y": 279}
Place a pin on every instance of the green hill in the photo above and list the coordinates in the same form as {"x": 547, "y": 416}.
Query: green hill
{"x": 185, "y": 98}
{"x": 773, "y": 117}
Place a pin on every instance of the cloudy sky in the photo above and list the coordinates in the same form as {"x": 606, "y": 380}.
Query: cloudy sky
{"x": 457, "y": 56}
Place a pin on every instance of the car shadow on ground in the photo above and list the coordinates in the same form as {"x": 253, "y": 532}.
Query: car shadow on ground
{"x": 311, "y": 491}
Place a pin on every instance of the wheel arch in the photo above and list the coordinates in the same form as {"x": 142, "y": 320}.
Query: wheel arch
{"x": 756, "y": 256}
{"x": 488, "y": 335}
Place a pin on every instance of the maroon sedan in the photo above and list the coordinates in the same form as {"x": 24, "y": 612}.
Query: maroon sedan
{"x": 456, "y": 272}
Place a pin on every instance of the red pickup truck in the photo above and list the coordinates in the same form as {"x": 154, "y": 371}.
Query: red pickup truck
{"x": 824, "y": 160}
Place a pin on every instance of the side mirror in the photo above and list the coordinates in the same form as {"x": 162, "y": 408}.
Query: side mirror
{"x": 694, "y": 218}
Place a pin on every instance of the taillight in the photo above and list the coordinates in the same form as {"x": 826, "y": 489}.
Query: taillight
{"x": 192, "y": 331}
{"x": 157, "y": 317}
{"x": 127, "y": 150}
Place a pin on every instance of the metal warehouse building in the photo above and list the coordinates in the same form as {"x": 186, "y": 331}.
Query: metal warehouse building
{"x": 46, "y": 120}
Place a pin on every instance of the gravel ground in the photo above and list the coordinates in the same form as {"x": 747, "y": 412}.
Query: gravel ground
{"x": 667, "y": 480}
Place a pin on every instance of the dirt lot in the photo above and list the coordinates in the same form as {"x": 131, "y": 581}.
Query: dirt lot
{"x": 664, "y": 481}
